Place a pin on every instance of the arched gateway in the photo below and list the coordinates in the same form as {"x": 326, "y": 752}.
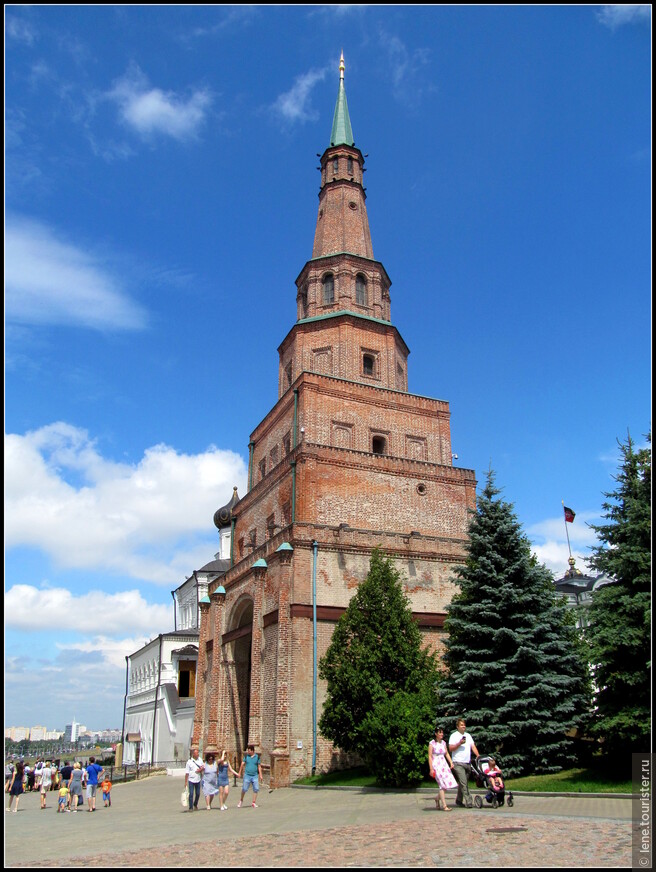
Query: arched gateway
{"x": 237, "y": 647}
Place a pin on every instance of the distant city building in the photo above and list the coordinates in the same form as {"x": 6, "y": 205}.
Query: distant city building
{"x": 578, "y": 589}
{"x": 71, "y": 733}
{"x": 38, "y": 734}
{"x": 53, "y": 735}
{"x": 17, "y": 734}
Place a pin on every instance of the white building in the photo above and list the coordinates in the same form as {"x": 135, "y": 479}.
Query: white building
{"x": 161, "y": 677}
{"x": 578, "y": 590}
{"x": 38, "y": 734}
{"x": 53, "y": 735}
{"x": 72, "y": 732}
{"x": 17, "y": 734}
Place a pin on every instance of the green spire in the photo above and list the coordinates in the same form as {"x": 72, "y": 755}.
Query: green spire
{"x": 341, "y": 133}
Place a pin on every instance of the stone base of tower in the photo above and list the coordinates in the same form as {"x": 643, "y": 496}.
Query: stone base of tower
{"x": 279, "y": 768}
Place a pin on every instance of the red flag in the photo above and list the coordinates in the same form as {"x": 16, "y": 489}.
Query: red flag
{"x": 569, "y": 515}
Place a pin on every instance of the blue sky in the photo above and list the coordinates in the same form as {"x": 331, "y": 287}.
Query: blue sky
{"x": 161, "y": 198}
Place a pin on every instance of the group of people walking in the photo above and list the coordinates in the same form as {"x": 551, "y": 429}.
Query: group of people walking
{"x": 70, "y": 781}
{"x": 212, "y": 775}
{"x": 451, "y": 766}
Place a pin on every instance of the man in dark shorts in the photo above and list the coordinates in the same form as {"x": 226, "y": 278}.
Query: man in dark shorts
{"x": 93, "y": 773}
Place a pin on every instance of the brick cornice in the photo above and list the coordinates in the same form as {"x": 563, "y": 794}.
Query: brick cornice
{"x": 351, "y": 458}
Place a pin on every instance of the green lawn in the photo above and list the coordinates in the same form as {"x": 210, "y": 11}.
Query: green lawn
{"x": 568, "y": 781}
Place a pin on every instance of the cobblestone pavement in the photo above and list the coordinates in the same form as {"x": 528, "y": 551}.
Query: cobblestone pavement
{"x": 147, "y": 827}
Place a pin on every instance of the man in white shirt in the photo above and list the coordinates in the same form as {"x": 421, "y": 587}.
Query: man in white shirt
{"x": 461, "y": 746}
{"x": 193, "y": 771}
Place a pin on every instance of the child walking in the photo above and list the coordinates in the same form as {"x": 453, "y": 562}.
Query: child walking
{"x": 106, "y": 791}
{"x": 63, "y": 802}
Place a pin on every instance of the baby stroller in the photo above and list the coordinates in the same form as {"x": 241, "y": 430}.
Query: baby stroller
{"x": 480, "y": 767}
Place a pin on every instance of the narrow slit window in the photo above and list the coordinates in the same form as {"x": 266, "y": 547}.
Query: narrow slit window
{"x": 368, "y": 364}
{"x": 360, "y": 290}
{"x": 328, "y": 289}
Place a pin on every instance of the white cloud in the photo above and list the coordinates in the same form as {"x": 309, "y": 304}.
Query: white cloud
{"x": 87, "y": 683}
{"x": 33, "y": 609}
{"x": 150, "y": 111}
{"x": 337, "y": 10}
{"x": 555, "y": 555}
{"x": 230, "y": 18}
{"x": 49, "y": 280}
{"x": 554, "y": 528}
{"x": 19, "y": 29}
{"x": 406, "y": 69}
{"x": 549, "y": 541}
{"x": 151, "y": 520}
{"x": 294, "y": 105}
{"x": 615, "y": 15}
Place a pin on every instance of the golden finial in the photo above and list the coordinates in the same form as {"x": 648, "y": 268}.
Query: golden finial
{"x": 341, "y": 67}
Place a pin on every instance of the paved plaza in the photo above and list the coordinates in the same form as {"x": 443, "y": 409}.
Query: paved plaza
{"x": 146, "y": 826}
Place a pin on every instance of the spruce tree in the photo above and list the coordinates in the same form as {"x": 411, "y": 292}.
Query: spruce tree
{"x": 517, "y": 670}
{"x": 376, "y": 653}
{"x": 619, "y": 629}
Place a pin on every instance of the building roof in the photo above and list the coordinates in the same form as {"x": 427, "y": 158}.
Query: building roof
{"x": 217, "y": 566}
{"x": 576, "y": 582}
{"x": 342, "y": 133}
{"x": 188, "y": 649}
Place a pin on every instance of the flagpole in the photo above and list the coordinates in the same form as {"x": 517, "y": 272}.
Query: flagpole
{"x": 566, "y": 532}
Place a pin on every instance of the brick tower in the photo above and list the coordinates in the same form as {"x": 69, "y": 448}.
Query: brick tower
{"x": 346, "y": 460}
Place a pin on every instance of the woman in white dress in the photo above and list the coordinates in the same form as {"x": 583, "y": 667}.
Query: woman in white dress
{"x": 440, "y": 765}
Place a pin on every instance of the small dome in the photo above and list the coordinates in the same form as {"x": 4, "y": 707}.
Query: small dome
{"x": 223, "y": 516}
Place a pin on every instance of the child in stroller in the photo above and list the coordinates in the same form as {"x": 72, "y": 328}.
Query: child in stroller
{"x": 488, "y": 775}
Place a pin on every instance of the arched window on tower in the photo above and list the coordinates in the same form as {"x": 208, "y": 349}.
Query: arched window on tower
{"x": 328, "y": 285}
{"x": 360, "y": 290}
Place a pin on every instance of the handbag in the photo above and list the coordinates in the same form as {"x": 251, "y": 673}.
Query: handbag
{"x": 184, "y": 799}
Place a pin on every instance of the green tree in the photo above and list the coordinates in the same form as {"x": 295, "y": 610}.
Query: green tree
{"x": 374, "y": 655}
{"x": 517, "y": 667}
{"x": 619, "y": 630}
